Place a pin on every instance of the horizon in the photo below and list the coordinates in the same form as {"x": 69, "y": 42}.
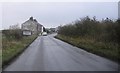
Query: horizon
{"x": 53, "y": 14}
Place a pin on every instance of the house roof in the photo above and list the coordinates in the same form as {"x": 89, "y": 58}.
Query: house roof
{"x": 34, "y": 21}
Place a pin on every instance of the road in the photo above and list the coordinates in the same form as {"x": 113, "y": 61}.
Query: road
{"x": 49, "y": 54}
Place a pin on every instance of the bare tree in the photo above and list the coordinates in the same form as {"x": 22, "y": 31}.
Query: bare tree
{"x": 13, "y": 27}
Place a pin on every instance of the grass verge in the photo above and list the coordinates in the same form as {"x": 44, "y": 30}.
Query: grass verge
{"x": 0, "y": 50}
{"x": 108, "y": 50}
{"x": 11, "y": 48}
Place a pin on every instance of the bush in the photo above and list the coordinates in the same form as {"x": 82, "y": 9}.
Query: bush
{"x": 98, "y": 37}
{"x": 12, "y": 34}
{"x": 103, "y": 31}
{"x": 118, "y": 30}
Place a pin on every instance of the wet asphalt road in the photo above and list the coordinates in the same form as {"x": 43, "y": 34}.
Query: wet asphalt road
{"x": 49, "y": 54}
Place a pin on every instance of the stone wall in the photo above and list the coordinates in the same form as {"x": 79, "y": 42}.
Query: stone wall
{"x": 32, "y": 25}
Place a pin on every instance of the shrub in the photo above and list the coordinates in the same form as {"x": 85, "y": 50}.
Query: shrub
{"x": 104, "y": 31}
{"x": 13, "y": 34}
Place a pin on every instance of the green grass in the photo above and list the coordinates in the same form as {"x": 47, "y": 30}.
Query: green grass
{"x": 0, "y": 49}
{"x": 13, "y": 47}
{"x": 108, "y": 50}
{"x": 0, "y": 59}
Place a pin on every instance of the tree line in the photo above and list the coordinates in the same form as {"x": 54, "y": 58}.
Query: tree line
{"x": 106, "y": 30}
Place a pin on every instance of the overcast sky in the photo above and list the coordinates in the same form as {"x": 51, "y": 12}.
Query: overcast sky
{"x": 52, "y": 14}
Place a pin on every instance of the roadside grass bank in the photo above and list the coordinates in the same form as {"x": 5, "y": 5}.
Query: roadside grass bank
{"x": 0, "y": 60}
{"x": 0, "y": 50}
{"x": 107, "y": 50}
{"x": 12, "y": 47}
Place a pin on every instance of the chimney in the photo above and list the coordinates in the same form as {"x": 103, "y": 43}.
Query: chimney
{"x": 35, "y": 20}
{"x": 31, "y": 18}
